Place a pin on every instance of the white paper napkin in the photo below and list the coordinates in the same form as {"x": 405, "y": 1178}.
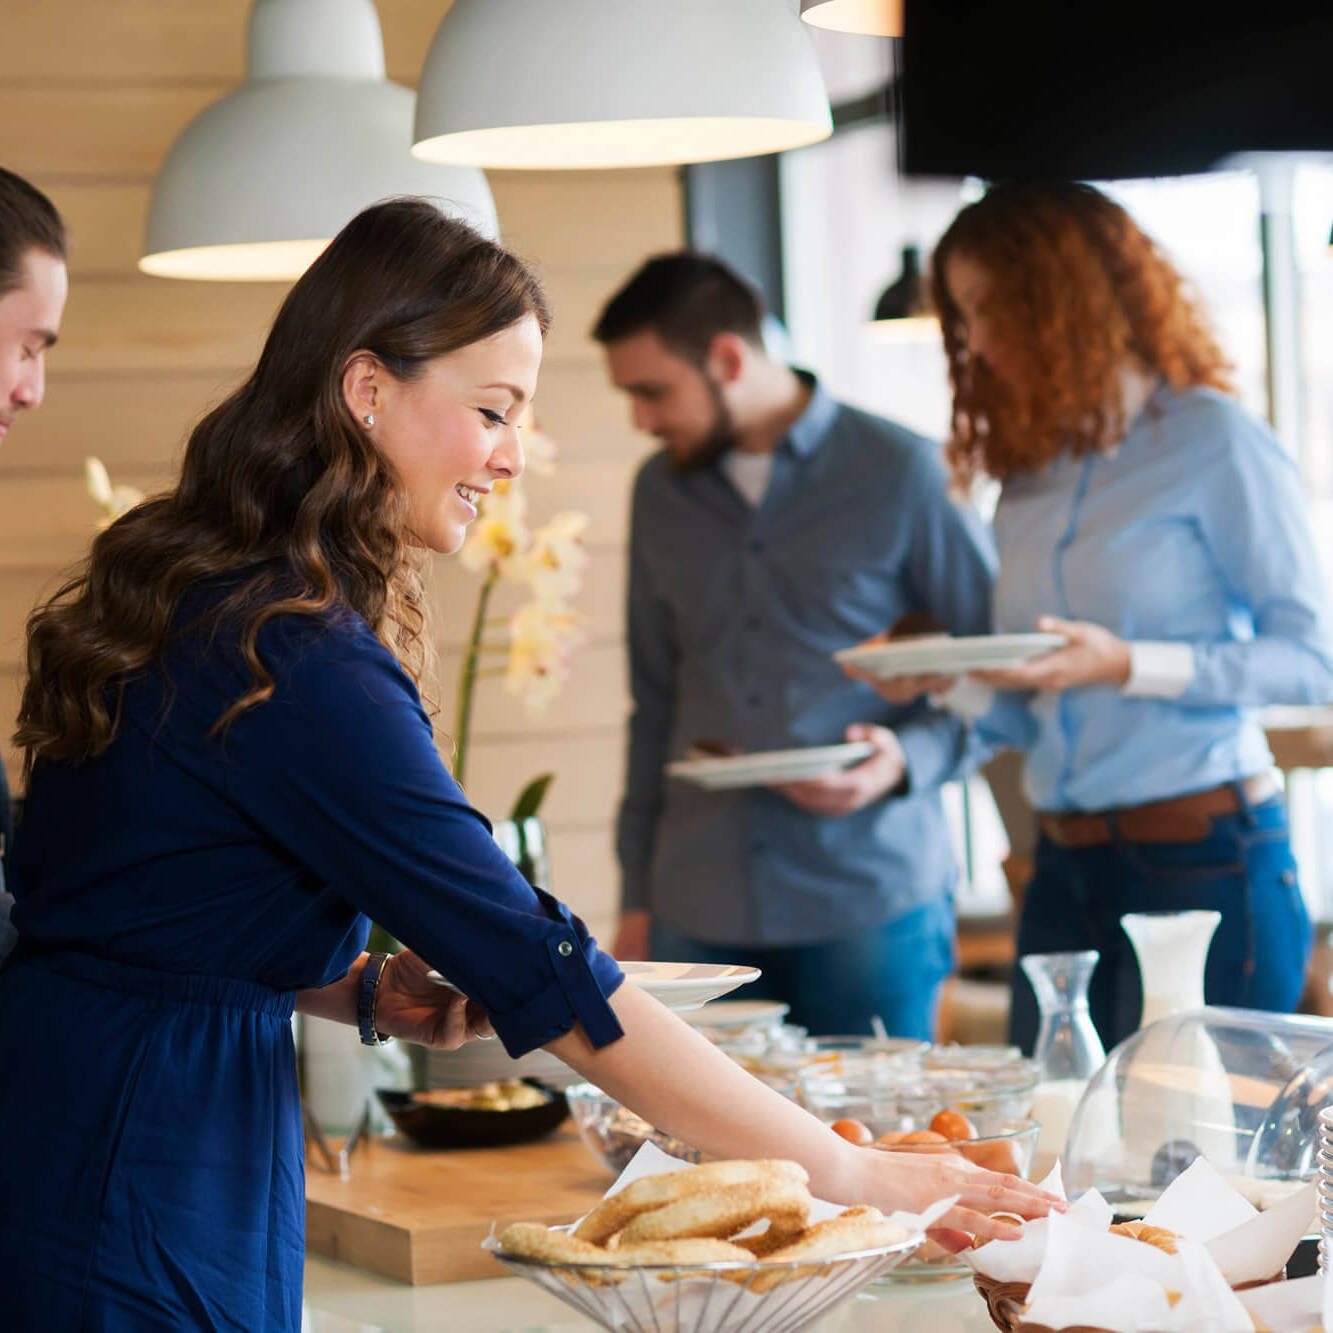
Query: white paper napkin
{"x": 1297, "y": 1306}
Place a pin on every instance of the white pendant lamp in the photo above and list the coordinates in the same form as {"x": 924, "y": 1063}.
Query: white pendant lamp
{"x": 617, "y": 83}
{"x": 875, "y": 18}
{"x": 259, "y": 183}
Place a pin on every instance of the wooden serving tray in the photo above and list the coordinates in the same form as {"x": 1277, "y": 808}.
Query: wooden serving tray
{"x": 420, "y": 1215}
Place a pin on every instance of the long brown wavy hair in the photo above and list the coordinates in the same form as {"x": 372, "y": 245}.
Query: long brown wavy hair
{"x": 282, "y": 494}
{"x": 1076, "y": 293}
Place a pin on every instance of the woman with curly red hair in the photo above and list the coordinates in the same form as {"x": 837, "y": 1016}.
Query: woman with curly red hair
{"x": 1157, "y": 526}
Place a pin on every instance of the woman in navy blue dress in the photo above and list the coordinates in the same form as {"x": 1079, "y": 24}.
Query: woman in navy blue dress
{"x": 231, "y": 773}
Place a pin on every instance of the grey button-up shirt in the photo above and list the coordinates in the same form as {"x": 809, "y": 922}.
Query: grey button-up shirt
{"x": 734, "y": 614}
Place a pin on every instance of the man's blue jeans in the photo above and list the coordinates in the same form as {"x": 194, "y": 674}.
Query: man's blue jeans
{"x": 893, "y": 970}
{"x": 1244, "y": 869}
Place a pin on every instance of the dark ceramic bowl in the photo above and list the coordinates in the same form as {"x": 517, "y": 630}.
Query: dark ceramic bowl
{"x": 461, "y": 1127}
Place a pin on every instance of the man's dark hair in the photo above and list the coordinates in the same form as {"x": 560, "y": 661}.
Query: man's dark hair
{"x": 28, "y": 221}
{"x": 687, "y": 299}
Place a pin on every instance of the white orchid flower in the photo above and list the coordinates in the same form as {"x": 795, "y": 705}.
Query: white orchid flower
{"x": 115, "y": 500}
{"x": 557, "y": 558}
{"x": 498, "y": 539}
{"x": 541, "y": 637}
{"x": 98, "y": 481}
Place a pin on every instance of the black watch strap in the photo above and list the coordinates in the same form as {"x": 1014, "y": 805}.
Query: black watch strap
{"x": 366, "y": 993}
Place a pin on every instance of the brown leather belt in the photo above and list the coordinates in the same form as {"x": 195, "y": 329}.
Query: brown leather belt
{"x": 1180, "y": 819}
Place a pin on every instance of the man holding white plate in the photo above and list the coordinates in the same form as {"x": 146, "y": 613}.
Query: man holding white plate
{"x": 774, "y": 527}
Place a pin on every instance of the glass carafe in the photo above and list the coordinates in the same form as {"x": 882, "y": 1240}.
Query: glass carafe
{"x": 1068, "y": 1048}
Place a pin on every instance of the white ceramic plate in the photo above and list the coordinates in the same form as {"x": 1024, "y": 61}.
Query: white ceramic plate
{"x": 741, "y": 1014}
{"x": 765, "y": 766}
{"x": 948, "y": 656}
{"x": 688, "y": 985}
{"x": 677, "y": 985}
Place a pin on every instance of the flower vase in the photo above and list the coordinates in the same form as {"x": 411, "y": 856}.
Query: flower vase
{"x": 523, "y": 841}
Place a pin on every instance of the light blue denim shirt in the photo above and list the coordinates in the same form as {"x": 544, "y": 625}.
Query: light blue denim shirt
{"x": 1193, "y": 531}
{"x": 734, "y": 615}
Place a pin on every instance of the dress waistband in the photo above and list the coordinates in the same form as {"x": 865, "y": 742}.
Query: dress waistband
{"x": 164, "y": 987}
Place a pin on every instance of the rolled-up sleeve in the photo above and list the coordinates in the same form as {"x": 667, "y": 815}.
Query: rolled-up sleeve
{"x": 340, "y": 768}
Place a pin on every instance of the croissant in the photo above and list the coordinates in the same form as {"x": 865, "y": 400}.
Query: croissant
{"x": 1159, "y": 1236}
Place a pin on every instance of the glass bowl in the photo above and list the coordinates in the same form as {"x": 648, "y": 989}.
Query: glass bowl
{"x": 612, "y": 1133}
{"x": 779, "y": 1063}
{"x": 1002, "y": 1143}
{"x": 1005, "y": 1144}
{"x": 954, "y": 1056}
{"x": 887, "y": 1097}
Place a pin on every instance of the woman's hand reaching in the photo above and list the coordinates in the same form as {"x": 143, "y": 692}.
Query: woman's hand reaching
{"x": 413, "y": 1008}
{"x": 913, "y": 1180}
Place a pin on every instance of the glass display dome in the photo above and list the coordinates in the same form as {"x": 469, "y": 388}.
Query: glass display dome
{"x": 1240, "y": 1087}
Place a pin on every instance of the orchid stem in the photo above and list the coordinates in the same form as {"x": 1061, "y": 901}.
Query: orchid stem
{"x": 468, "y": 680}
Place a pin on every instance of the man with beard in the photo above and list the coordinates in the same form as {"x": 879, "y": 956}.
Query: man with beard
{"x": 772, "y": 528}
{"x": 33, "y": 285}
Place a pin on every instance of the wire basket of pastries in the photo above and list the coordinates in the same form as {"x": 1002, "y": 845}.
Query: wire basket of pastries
{"x": 728, "y": 1247}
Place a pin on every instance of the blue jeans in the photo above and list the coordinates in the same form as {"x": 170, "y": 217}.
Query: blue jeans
{"x": 1243, "y": 869}
{"x": 893, "y": 970}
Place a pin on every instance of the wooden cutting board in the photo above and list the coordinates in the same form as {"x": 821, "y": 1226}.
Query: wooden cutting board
{"x": 420, "y": 1215}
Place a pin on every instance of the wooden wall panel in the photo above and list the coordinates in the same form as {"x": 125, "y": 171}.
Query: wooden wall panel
{"x": 105, "y": 220}
{"x": 88, "y": 132}
{"x": 156, "y": 41}
{"x": 583, "y": 871}
{"x": 588, "y": 765}
{"x": 143, "y": 324}
{"x": 92, "y": 94}
{"x": 133, "y": 421}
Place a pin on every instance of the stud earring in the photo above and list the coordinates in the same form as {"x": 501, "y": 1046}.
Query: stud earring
{"x": 369, "y": 420}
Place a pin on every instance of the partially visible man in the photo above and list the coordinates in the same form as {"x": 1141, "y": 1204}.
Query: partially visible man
{"x": 33, "y": 286}
{"x": 774, "y": 527}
